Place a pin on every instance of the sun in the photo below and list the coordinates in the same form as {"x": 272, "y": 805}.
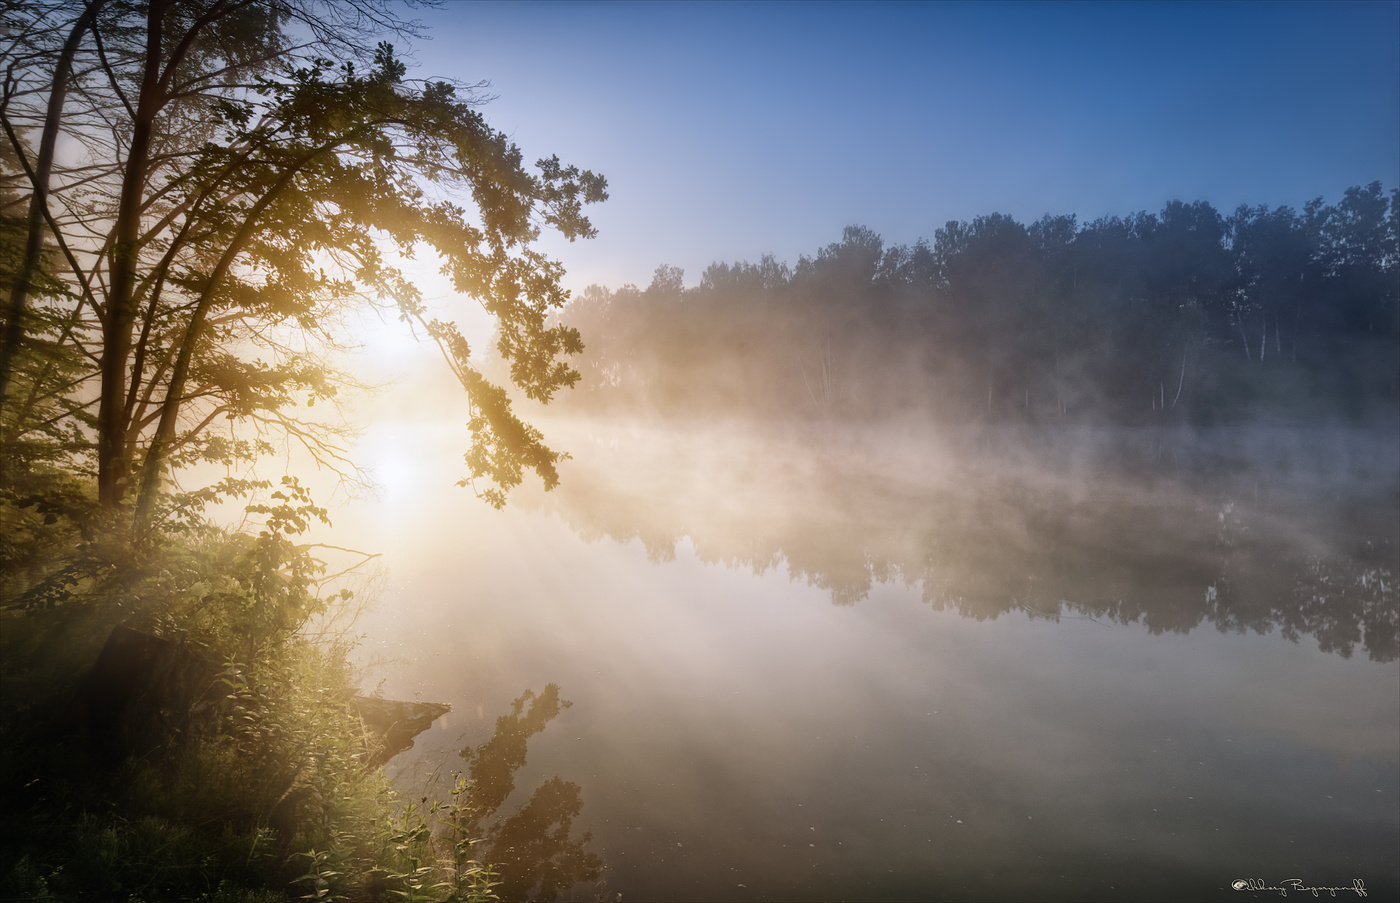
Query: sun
{"x": 396, "y": 474}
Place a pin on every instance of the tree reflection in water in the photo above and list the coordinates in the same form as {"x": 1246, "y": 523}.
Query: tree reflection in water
{"x": 534, "y": 848}
{"x": 1170, "y": 538}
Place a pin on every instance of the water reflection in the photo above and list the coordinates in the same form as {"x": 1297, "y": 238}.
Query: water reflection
{"x": 737, "y": 739}
{"x": 534, "y": 848}
{"x": 1169, "y": 531}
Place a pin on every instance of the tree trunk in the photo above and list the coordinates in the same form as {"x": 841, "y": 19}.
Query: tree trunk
{"x": 164, "y": 439}
{"x": 113, "y": 468}
{"x": 1181, "y": 381}
{"x": 38, "y": 201}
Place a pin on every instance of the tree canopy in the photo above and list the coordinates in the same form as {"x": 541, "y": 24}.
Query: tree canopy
{"x": 196, "y": 198}
{"x": 1185, "y": 315}
{"x": 197, "y": 192}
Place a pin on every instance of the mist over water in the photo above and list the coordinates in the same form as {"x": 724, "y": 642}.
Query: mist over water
{"x": 1035, "y": 561}
{"x": 1105, "y": 663}
{"x": 1035, "y": 535}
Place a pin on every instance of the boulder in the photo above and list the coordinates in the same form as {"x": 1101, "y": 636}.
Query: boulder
{"x": 139, "y": 693}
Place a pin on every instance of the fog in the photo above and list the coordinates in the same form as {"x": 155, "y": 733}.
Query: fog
{"x": 1149, "y": 661}
{"x": 1171, "y": 528}
{"x": 1039, "y": 557}
{"x": 985, "y": 558}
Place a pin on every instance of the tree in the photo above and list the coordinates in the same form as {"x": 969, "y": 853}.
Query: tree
{"x": 1185, "y": 268}
{"x": 986, "y": 276}
{"x": 238, "y": 191}
{"x": 1361, "y": 255}
{"x": 1275, "y": 253}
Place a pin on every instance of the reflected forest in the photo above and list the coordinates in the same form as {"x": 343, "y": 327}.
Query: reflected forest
{"x": 1052, "y": 559}
{"x": 1185, "y": 359}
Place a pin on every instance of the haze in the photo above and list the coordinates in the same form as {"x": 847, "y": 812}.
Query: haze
{"x": 879, "y": 451}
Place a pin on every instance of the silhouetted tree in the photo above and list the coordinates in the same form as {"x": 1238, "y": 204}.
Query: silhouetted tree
{"x": 1154, "y": 317}
{"x": 238, "y": 192}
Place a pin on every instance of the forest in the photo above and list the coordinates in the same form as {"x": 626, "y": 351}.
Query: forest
{"x": 1185, "y": 316}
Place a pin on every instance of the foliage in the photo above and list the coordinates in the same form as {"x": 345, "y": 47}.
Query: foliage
{"x": 1179, "y": 316}
{"x": 256, "y": 787}
{"x": 241, "y": 175}
{"x": 250, "y": 169}
{"x": 245, "y": 174}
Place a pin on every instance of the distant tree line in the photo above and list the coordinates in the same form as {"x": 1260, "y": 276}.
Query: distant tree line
{"x": 1186, "y": 315}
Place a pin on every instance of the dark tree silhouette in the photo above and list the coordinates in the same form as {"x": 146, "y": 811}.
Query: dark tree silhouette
{"x": 237, "y": 194}
{"x": 1180, "y": 316}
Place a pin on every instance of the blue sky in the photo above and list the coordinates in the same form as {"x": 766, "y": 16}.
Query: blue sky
{"x": 730, "y": 130}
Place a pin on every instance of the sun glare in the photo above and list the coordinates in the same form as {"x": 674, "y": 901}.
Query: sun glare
{"x": 394, "y": 348}
{"x": 394, "y": 468}
{"x": 386, "y": 345}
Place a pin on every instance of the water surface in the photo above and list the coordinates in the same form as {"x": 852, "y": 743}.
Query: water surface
{"x": 892, "y": 662}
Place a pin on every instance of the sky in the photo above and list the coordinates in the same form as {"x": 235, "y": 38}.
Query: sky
{"x": 731, "y": 130}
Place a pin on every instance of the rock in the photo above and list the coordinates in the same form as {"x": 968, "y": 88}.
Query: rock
{"x": 394, "y": 724}
{"x": 139, "y": 693}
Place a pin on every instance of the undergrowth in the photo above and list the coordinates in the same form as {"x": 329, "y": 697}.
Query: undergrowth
{"x": 258, "y": 786}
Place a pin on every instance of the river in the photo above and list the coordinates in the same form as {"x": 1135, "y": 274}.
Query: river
{"x": 888, "y": 661}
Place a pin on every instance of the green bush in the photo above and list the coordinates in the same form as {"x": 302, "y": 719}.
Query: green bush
{"x": 260, "y": 787}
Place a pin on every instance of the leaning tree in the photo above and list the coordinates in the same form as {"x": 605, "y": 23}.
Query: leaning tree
{"x": 194, "y": 195}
